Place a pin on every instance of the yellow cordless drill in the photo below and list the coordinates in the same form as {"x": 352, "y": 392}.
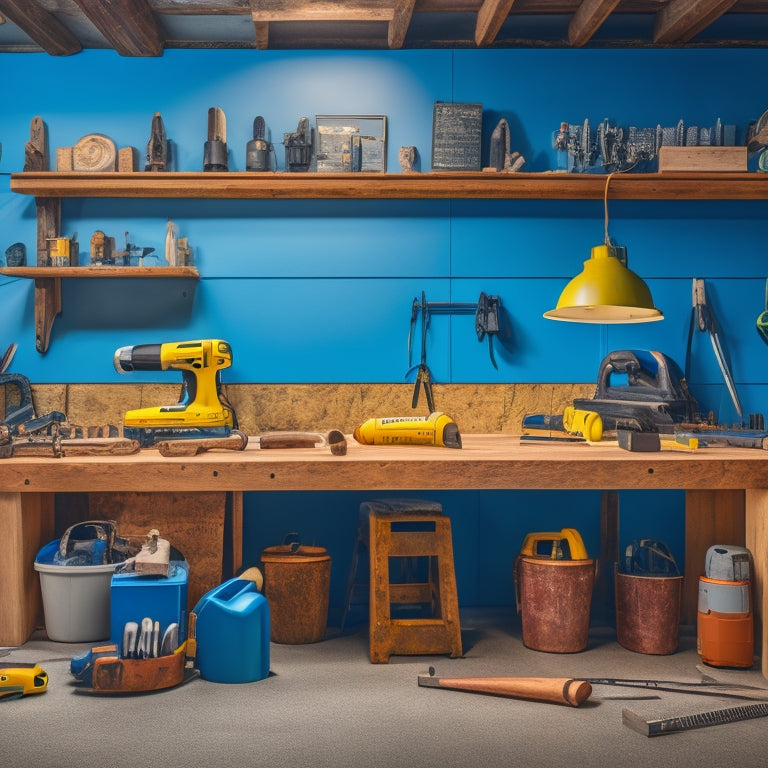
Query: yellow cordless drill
{"x": 202, "y": 410}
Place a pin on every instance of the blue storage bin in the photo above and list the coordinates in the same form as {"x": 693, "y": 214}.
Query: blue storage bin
{"x": 161, "y": 598}
{"x": 232, "y": 632}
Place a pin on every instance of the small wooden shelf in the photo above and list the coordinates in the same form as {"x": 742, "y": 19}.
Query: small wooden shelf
{"x": 48, "y": 288}
{"x": 39, "y": 273}
{"x": 435, "y": 185}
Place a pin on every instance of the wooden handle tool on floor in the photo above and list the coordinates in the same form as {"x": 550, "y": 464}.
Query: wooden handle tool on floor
{"x": 557, "y": 690}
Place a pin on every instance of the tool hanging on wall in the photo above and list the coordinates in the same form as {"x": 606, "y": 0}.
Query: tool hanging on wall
{"x": 423, "y": 374}
{"x": 703, "y": 317}
{"x": 486, "y": 311}
{"x": 762, "y": 318}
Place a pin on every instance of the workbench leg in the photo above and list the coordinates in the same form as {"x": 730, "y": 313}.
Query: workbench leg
{"x": 711, "y": 517}
{"x": 235, "y": 502}
{"x": 757, "y": 543}
{"x": 26, "y": 525}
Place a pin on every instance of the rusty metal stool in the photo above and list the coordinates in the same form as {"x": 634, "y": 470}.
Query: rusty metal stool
{"x": 417, "y": 531}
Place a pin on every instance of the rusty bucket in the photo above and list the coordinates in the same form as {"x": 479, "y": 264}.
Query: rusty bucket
{"x": 297, "y": 586}
{"x": 554, "y": 598}
{"x": 648, "y": 612}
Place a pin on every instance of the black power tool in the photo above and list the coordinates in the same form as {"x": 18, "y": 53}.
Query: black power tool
{"x": 643, "y": 391}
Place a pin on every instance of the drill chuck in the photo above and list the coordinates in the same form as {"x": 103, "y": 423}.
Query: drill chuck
{"x": 141, "y": 357}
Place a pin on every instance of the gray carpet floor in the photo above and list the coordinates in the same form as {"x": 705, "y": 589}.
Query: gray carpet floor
{"x": 324, "y": 704}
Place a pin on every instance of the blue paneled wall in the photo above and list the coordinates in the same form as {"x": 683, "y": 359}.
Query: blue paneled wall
{"x": 347, "y": 271}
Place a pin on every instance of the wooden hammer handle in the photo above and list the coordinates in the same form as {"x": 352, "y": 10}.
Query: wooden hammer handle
{"x": 192, "y": 446}
{"x": 558, "y": 690}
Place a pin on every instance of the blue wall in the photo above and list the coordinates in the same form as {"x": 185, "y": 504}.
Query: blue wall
{"x": 347, "y": 271}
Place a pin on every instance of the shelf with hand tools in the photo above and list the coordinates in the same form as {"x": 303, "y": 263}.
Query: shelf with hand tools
{"x": 50, "y": 187}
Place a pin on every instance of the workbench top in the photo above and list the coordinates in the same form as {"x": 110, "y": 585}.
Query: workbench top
{"x": 494, "y": 461}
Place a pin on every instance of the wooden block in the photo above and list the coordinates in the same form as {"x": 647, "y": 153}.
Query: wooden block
{"x": 125, "y": 162}
{"x": 64, "y": 159}
{"x": 702, "y": 159}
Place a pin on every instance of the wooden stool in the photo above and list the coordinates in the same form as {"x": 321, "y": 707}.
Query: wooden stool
{"x": 409, "y": 528}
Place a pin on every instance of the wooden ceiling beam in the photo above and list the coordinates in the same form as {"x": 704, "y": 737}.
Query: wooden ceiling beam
{"x": 490, "y": 17}
{"x": 130, "y": 26}
{"x": 262, "y": 34}
{"x": 587, "y": 19}
{"x": 322, "y": 10}
{"x": 401, "y": 20}
{"x": 682, "y": 20}
{"x": 43, "y": 27}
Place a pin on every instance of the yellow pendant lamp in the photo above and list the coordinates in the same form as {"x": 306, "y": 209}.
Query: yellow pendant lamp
{"x": 607, "y": 291}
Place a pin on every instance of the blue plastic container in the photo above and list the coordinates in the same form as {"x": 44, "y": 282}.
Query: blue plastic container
{"x": 232, "y": 631}
{"x": 160, "y": 598}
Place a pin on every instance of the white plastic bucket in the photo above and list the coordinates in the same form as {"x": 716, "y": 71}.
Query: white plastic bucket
{"x": 75, "y": 598}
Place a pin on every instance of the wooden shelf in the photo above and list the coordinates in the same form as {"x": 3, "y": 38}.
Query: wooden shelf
{"x": 41, "y": 273}
{"x": 442, "y": 185}
{"x": 48, "y": 288}
{"x": 50, "y": 187}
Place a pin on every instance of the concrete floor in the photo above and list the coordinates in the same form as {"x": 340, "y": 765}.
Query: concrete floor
{"x": 325, "y": 704}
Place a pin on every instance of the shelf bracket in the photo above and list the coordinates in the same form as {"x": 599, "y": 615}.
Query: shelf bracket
{"x": 47, "y": 306}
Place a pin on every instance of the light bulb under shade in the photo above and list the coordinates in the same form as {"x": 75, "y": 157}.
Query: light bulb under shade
{"x": 605, "y": 292}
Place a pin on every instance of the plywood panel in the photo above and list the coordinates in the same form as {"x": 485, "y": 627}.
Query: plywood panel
{"x": 26, "y": 524}
{"x": 194, "y": 523}
{"x": 711, "y": 517}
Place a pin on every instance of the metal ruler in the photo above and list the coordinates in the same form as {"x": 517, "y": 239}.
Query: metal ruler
{"x": 658, "y": 727}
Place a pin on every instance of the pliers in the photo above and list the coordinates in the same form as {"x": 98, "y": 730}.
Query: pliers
{"x": 423, "y": 377}
{"x": 704, "y": 317}
{"x": 423, "y": 374}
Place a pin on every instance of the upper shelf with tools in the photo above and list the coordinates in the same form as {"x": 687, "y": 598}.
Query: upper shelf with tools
{"x": 436, "y": 185}
{"x": 50, "y": 187}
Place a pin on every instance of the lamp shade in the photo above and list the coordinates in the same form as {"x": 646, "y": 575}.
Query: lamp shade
{"x": 605, "y": 292}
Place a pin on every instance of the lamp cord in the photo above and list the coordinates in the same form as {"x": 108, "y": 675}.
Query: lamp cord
{"x": 605, "y": 206}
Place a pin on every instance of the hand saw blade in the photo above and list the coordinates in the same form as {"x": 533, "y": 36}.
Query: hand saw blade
{"x": 660, "y": 726}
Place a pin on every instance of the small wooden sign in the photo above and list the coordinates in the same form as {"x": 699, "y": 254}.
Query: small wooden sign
{"x": 702, "y": 159}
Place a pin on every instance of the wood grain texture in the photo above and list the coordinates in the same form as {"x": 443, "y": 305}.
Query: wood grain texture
{"x": 401, "y": 19}
{"x": 191, "y": 522}
{"x": 757, "y": 543}
{"x": 26, "y": 520}
{"x": 320, "y": 10}
{"x": 490, "y": 17}
{"x": 587, "y": 20}
{"x": 712, "y": 517}
{"x": 42, "y": 26}
{"x": 438, "y": 185}
{"x": 138, "y": 32}
{"x": 681, "y": 20}
{"x": 486, "y": 461}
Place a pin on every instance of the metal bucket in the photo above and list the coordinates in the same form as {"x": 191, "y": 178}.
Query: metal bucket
{"x": 297, "y": 586}
{"x": 554, "y": 599}
{"x": 648, "y": 612}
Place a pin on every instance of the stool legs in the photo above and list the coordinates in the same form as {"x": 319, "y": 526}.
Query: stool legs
{"x": 437, "y": 635}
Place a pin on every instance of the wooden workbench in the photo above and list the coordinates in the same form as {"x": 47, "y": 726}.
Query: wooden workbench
{"x": 726, "y": 492}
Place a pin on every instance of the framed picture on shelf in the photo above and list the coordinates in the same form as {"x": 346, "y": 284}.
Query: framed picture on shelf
{"x": 351, "y": 143}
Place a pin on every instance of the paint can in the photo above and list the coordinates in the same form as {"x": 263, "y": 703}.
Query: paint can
{"x": 297, "y": 586}
{"x": 648, "y": 612}
{"x": 554, "y": 592}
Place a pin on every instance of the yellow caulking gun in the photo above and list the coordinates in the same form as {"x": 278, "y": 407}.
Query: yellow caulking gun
{"x": 202, "y": 411}
{"x": 435, "y": 429}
